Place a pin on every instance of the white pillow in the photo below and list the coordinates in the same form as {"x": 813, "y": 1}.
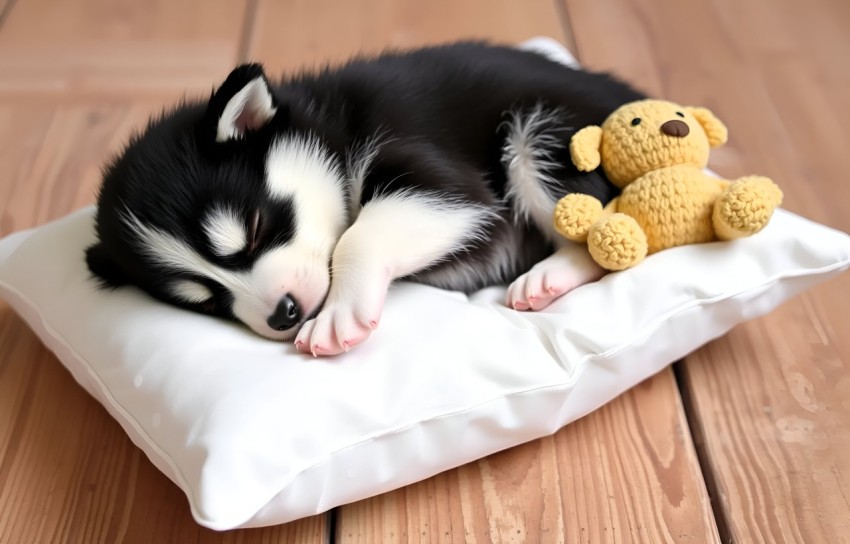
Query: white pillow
{"x": 256, "y": 434}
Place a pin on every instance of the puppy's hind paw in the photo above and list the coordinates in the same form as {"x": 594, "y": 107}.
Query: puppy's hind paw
{"x": 552, "y": 278}
{"x": 536, "y": 290}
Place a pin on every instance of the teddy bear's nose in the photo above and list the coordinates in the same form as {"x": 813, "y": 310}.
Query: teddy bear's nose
{"x": 676, "y": 128}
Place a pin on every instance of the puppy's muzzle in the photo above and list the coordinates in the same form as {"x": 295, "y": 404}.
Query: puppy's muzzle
{"x": 286, "y": 315}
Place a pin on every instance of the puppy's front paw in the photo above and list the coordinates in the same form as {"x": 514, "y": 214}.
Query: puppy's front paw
{"x": 341, "y": 325}
{"x": 552, "y": 278}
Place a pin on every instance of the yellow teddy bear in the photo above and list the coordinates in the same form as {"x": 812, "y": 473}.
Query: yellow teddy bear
{"x": 655, "y": 151}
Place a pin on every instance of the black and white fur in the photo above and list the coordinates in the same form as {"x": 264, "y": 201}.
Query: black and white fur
{"x": 292, "y": 207}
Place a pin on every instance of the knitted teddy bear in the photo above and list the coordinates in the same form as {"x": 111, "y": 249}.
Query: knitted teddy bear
{"x": 655, "y": 151}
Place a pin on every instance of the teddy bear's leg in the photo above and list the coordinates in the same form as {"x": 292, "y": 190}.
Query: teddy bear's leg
{"x": 745, "y": 207}
{"x": 569, "y": 267}
{"x": 617, "y": 242}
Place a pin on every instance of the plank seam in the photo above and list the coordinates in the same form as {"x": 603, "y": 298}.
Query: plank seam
{"x": 563, "y": 13}
{"x": 331, "y": 521}
{"x": 4, "y": 14}
{"x": 721, "y": 518}
{"x": 249, "y": 29}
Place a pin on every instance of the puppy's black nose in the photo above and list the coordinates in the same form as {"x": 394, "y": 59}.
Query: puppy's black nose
{"x": 286, "y": 315}
{"x": 676, "y": 128}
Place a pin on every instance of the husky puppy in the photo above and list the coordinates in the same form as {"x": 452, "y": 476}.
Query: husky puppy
{"x": 291, "y": 206}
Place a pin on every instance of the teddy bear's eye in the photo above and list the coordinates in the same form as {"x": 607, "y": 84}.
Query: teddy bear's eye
{"x": 680, "y": 114}
{"x": 635, "y": 121}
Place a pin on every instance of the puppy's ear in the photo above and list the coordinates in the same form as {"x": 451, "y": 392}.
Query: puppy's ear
{"x": 103, "y": 267}
{"x": 714, "y": 128}
{"x": 584, "y": 148}
{"x": 244, "y": 102}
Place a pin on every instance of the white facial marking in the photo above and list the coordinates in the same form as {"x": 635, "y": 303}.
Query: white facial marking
{"x": 285, "y": 270}
{"x": 250, "y": 108}
{"x": 302, "y": 170}
{"x": 298, "y": 169}
{"x": 225, "y": 231}
{"x": 191, "y": 291}
{"x": 175, "y": 254}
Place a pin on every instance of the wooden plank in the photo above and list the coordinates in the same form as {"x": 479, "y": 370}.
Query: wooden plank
{"x": 626, "y": 473}
{"x": 55, "y": 153}
{"x": 772, "y": 415}
{"x": 5, "y": 7}
{"x": 768, "y": 401}
{"x": 779, "y": 451}
{"x": 120, "y": 46}
{"x": 305, "y": 33}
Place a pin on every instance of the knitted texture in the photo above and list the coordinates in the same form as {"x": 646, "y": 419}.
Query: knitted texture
{"x": 745, "y": 207}
{"x": 617, "y": 242}
{"x": 655, "y": 151}
{"x": 673, "y": 205}
{"x": 574, "y": 214}
{"x": 584, "y": 148}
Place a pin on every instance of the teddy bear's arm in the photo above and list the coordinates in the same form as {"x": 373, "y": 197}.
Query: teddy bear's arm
{"x": 584, "y": 148}
{"x": 574, "y": 215}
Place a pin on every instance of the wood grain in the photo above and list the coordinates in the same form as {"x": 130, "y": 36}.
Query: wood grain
{"x": 777, "y": 449}
{"x": 306, "y": 33}
{"x": 626, "y": 473}
{"x": 772, "y": 414}
{"x": 768, "y": 401}
{"x": 96, "y": 46}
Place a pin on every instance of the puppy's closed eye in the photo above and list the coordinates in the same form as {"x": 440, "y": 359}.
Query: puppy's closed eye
{"x": 255, "y": 229}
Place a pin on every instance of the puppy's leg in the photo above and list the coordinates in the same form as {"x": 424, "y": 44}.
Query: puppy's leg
{"x": 393, "y": 236}
{"x": 540, "y": 172}
{"x": 569, "y": 267}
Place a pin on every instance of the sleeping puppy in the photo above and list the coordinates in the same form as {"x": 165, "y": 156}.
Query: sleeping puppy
{"x": 293, "y": 206}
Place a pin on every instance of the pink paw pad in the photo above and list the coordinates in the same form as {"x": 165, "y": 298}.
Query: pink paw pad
{"x": 547, "y": 281}
{"x": 339, "y": 327}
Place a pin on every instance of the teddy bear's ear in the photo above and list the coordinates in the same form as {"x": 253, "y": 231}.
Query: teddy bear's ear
{"x": 584, "y": 148}
{"x": 713, "y": 127}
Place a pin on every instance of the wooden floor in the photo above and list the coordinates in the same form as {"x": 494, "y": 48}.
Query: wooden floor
{"x": 748, "y": 440}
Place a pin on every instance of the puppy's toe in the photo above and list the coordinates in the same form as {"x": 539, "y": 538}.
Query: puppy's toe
{"x": 534, "y": 291}
{"x": 339, "y": 327}
{"x": 516, "y": 297}
{"x": 304, "y": 338}
{"x": 551, "y": 279}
